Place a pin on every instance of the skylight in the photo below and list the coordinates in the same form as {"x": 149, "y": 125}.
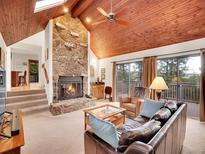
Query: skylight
{"x": 47, "y": 4}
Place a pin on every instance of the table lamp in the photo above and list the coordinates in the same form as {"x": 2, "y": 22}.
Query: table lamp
{"x": 158, "y": 84}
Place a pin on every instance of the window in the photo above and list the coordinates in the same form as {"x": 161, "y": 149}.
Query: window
{"x": 126, "y": 75}
{"x": 47, "y": 4}
{"x": 182, "y": 75}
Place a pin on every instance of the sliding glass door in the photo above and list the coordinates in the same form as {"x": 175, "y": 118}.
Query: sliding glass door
{"x": 182, "y": 74}
{"x": 126, "y": 75}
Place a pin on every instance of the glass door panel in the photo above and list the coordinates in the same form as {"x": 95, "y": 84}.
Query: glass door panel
{"x": 122, "y": 80}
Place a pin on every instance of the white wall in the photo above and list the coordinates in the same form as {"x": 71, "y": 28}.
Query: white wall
{"x": 37, "y": 39}
{"x": 19, "y": 61}
{"x": 92, "y": 62}
{"x": 49, "y": 62}
{"x": 170, "y": 49}
{"x": 2, "y": 43}
{"x": 34, "y": 44}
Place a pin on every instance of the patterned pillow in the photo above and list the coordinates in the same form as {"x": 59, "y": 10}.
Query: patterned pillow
{"x": 171, "y": 105}
{"x": 162, "y": 115}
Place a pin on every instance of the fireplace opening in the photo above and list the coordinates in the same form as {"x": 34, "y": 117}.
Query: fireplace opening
{"x": 70, "y": 87}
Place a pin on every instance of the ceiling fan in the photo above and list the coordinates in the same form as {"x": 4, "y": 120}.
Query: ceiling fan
{"x": 111, "y": 16}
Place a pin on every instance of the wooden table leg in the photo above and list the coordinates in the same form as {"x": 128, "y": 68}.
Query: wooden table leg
{"x": 85, "y": 120}
{"x": 123, "y": 117}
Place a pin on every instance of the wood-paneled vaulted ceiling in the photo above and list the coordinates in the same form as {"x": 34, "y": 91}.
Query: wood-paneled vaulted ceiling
{"x": 18, "y": 20}
{"x": 152, "y": 23}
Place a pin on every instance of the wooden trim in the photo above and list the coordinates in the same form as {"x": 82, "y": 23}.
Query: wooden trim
{"x": 202, "y": 87}
{"x": 45, "y": 73}
{"x": 29, "y": 62}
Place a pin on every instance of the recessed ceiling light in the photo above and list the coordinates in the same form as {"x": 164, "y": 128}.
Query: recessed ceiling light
{"x": 88, "y": 20}
{"x": 47, "y": 4}
{"x": 65, "y": 9}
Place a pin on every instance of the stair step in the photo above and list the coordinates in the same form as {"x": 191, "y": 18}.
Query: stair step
{"x": 15, "y": 99}
{"x": 25, "y": 92}
{"x": 26, "y": 104}
{"x": 35, "y": 109}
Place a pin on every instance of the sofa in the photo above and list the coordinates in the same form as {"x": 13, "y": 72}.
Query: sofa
{"x": 168, "y": 140}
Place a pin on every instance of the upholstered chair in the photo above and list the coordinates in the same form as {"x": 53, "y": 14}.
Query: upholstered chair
{"x": 134, "y": 103}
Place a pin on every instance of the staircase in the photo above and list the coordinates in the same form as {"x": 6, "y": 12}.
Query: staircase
{"x": 29, "y": 101}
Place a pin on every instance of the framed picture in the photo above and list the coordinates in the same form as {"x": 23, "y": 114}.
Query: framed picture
{"x": 46, "y": 54}
{"x": 102, "y": 73}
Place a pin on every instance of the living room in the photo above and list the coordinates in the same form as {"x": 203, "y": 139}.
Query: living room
{"x": 102, "y": 76}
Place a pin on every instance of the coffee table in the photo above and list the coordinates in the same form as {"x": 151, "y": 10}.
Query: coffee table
{"x": 111, "y": 113}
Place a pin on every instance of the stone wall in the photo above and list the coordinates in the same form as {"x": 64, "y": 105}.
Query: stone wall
{"x": 70, "y": 51}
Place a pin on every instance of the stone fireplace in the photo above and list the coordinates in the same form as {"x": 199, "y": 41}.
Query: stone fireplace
{"x": 70, "y": 58}
{"x": 70, "y": 87}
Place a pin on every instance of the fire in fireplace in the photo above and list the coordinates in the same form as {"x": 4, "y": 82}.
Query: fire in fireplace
{"x": 70, "y": 87}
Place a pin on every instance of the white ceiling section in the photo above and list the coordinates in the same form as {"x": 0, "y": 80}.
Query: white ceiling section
{"x": 47, "y": 4}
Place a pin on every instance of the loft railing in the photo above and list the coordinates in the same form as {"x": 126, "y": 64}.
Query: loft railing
{"x": 187, "y": 92}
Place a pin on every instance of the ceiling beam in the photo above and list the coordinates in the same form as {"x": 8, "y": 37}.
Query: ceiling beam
{"x": 81, "y": 7}
{"x": 72, "y": 3}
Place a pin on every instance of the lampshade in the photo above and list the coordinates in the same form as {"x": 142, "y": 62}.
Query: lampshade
{"x": 158, "y": 84}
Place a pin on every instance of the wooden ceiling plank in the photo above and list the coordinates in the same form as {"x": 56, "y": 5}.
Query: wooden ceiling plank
{"x": 81, "y": 7}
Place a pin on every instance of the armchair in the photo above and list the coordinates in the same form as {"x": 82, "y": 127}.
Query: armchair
{"x": 134, "y": 103}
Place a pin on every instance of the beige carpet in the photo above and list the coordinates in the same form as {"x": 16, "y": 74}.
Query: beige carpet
{"x": 63, "y": 134}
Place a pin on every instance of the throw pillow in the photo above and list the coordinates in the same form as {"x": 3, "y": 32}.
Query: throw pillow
{"x": 171, "y": 105}
{"x": 143, "y": 133}
{"x": 105, "y": 130}
{"x": 162, "y": 115}
{"x": 150, "y": 107}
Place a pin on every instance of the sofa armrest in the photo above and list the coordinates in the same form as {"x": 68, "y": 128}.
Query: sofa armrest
{"x": 139, "y": 148}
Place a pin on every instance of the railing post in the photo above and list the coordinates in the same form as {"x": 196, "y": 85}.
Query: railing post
{"x": 180, "y": 92}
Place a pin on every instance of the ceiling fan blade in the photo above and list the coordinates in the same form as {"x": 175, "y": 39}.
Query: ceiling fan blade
{"x": 122, "y": 22}
{"x": 99, "y": 22}
{"x": 102, "y": 12}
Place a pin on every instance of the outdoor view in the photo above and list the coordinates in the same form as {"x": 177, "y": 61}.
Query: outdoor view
{"x": 127, "y": 75}
{"x": 182, "y": 75}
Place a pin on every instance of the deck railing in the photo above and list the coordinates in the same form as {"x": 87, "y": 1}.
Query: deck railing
{"x": 188, "y": 92}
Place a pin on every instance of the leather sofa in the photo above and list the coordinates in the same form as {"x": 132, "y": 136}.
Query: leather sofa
{"x": 168, "y": 140}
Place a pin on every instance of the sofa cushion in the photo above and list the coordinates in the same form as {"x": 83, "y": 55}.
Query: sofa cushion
{"x": 128, "y": 126}
{"x": 171, "y": 105}
{"x": 142, "y": 133}
{"x": 162, "y": 115}
{"x": 105, "y": 130}
{"x": 150, "y": 107}
{"x": 129, "y": 106}
{"x": 141, "y": 120}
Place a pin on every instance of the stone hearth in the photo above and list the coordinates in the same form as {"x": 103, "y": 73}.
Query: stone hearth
{"x": 71, "y": 105}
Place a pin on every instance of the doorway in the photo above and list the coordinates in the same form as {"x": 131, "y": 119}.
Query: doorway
{"x": 33, "y": 71}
